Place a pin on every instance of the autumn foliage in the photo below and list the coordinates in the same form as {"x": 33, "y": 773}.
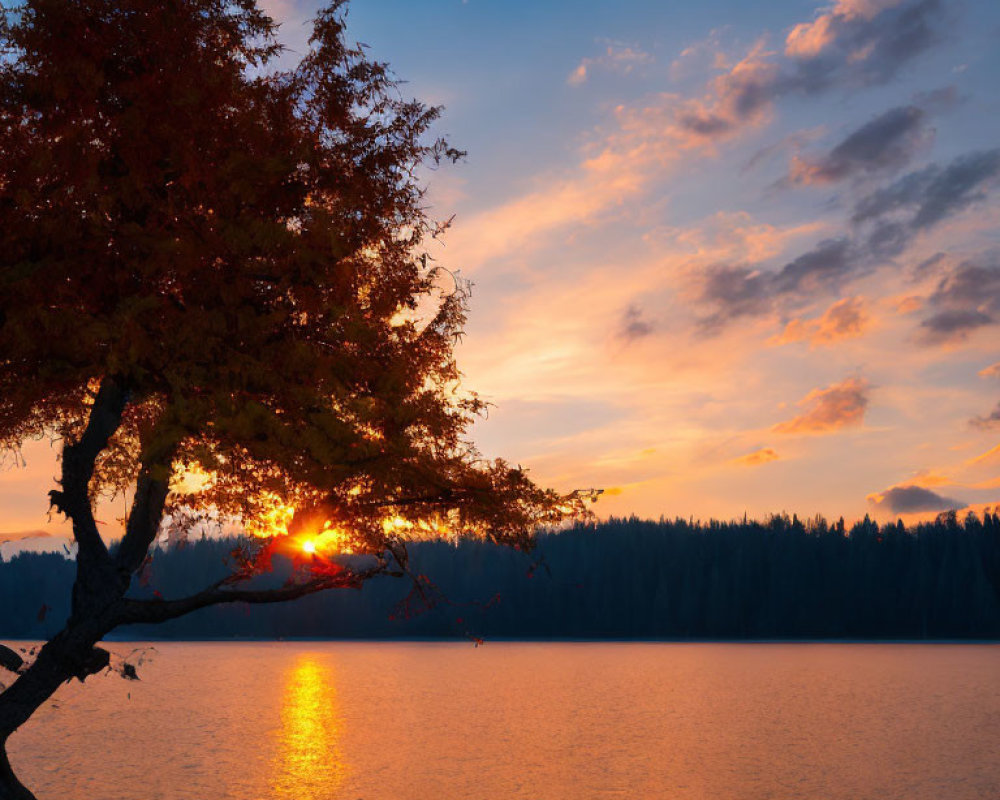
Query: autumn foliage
{"x": 238, "y": 252}
{"x": 214, "y": 290}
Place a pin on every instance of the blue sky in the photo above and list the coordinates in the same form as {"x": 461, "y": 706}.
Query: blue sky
{"x": 610, "y": 245}
{"x": 727, "y": 256}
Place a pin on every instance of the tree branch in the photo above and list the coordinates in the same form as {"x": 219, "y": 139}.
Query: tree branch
{"x": 144, "y": 520}
{"x": 151, "y": 490}
{"x": 154, "y": 611}
{"x": 79, "y": 460}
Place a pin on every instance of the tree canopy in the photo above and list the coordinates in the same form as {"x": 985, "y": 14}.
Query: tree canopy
{"x": 231, "y": 256}
{"x": 214, "y": 290}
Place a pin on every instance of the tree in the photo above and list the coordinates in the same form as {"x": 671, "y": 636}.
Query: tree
{"x": 213, "y": 291}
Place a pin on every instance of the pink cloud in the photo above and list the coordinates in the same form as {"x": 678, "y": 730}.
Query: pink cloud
{"x": 809, "y": 39}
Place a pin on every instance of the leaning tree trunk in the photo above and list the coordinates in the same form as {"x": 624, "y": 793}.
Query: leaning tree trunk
{"x": 10, "y": 787}
{"x": 70, "y": 654}
{"x": 99, "y": 602}
{"x": 102, "y": 579}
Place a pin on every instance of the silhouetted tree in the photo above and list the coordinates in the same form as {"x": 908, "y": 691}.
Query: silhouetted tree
{"x": 212, "y": 269}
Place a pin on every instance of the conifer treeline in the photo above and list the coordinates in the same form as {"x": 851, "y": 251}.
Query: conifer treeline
{"x": 621, "y": 579}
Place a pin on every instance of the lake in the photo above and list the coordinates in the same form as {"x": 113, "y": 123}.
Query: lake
{"x": 393, "y": 721}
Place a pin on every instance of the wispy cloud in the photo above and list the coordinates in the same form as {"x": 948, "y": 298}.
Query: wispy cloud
{"x": 700, "y": 57}
{"x": 927, "y": 196}
{"x": 618, "y": 57}
{"x": 991, "y": 456}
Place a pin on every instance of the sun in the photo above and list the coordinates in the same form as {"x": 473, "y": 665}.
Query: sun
{"x": 309, "y": 546}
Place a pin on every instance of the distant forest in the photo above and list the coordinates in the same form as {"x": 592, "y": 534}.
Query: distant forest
{"x": 621, "y": 579}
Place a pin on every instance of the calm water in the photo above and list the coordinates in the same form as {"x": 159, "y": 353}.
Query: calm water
{"x": 313, "y": 721}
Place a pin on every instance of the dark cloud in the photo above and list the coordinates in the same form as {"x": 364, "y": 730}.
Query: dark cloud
{"x": 912, "y": 499}
{"x": 866, "y": 52}
{"x": 933, "y": 193}
{"x": 634, "y": 325}
{"x": 838, "y": 50}
{"x": 854, "y": 43}
{"x": 929, "y": 266}
{"x": 953, "y": 325}
{"x": 957, "y": 186}
{"x": 738, "y": 291}
{"x": 888, "y": 240}
{"x": 990, "y": 421}
{"x": 705, "y": 124}
{"x": 888, "y": 142}
{"x": 966, "y": 299}
{"x": 823, "y": 266}
{"x": 885, "y": 221}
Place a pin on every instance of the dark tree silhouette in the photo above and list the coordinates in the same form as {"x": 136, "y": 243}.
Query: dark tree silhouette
{"x": 777, "y": 578}
{"x": 212, "y": 290}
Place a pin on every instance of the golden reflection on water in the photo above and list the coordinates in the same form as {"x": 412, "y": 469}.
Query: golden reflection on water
{"x": 308, "y": 764}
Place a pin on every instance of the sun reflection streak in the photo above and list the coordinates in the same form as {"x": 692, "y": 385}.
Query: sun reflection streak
{"x": 309, "y": 764}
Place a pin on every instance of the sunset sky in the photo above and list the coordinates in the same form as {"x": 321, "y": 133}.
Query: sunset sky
{"x": 728, "y": 257}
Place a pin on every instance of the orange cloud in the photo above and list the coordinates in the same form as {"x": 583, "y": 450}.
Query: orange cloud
{"x": 992, "y": 371}
{"x": 986, "y": 458}
{"x": 757, "y": 457}
{"x": 826, "y": 410}
{"x": 927, "y": 478}
{"x": 845, "y": 319}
